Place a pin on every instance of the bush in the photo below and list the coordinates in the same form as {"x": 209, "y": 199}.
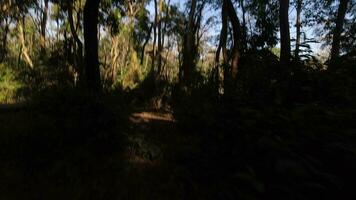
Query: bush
{"x": 9, "y": 84}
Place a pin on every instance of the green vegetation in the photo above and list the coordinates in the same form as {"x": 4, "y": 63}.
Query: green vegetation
{"x": 10, "y": 85}
{"x": 160, "y": 99}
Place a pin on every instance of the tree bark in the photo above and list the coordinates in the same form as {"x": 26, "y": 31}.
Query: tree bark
{"x": 43, "y": 28}
{"x": 145, "y": 44}
{"x": 244, "y": 27}
{"x": 160, "y": 44}
{"x": 4, "y": 40}
{"x": 223, "y": 36}
{"x": 335, "y": 49}
{"x": 298, "y": 26}
{"x": 188, "y": 45}
{"x": 79, "y": 50}
{"x": 92, "y": 70}
{"x": 154, "y": 36}
{"x": 222, "y": 46}
{"x": 284, "y": 31}
{"x": 237, "y": 36}
{"x": 24, "y": 50}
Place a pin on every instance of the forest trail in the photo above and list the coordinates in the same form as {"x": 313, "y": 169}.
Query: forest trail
{"x": 150, "y": 136}
{"x": 153, "y": 153}
{"x": 144, "y": 115}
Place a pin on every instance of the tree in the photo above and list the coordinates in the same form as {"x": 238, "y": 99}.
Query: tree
{"x": 44, "y": 12}
{"x": 78, "y": 48}
{"x": 263, "y": 23}
{"x": 188, "y": 46}
{"x": 160, "y": 36}
{"x": 284, "y": 30}
{"x": 190, "y": 40}
{"x": 298, "y": 26}
{"x": 5, "y": 28}
{"x": 335, "y": 49}
{"x": 223, "y": 39}
{"x": 92, "y": 70}
{"x": 237, "y": 37}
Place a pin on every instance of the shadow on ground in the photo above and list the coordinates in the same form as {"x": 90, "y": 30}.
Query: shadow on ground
{"x": 89, "y": 151}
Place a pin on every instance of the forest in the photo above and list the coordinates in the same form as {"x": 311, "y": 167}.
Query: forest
{"x": 169, "y": 99}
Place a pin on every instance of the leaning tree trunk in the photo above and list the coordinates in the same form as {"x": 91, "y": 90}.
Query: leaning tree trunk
{"x": 145, "y": 44}
{"x": 335, "y": 49}
{"x": 24, "y": 49}
{"x": 79, "y": 51}
{"x": 92, "y": 70}
{"x": 222, "y": 46}
{"x": 284, "y": 30}
{"x": 237, "y": 37}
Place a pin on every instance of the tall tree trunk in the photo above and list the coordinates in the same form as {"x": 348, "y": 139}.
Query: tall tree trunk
{"x": 188, "y": 45}
{"x": 160, "y": 45}
{"x": 237, "y": 36}
{"x": 145, "y": 44}
{"x": 43, "y": 28}
{"x": 4, "y": 40}
{"x": 335, "y": 49}
{"x": 298, "y": 26}
{"x": 154, "y": 37}
{"x": 92, "y": 70}
{"x": 284, "y": 30}
{"x": 244, "y": 27}
{"x": 222, "y": 45}
{"x": 79, "y": 50}
{"x": 223, "y": 36}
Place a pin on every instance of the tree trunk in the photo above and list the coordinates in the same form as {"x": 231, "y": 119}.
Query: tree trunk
{"x": 222, "y": 45}
{"x": 4, "y": 41}
{"x": 284, "y": 30}
{"x": 92, "y": 70}
{"x": 298, "y": 26}
{"x": 237, "y": 36}
{"x": 154, "y": 36}
{"x": 160, "y": 46}
{"x": 79, "y": 50}
{"x": 188, "y": 45}
{"x": 244, "y": 27}
{"x": 43, "y": 28}
{"x": 145, "y": 44}
{"x": 335, "y": 49}
{"x": 21, "y": 34}
{"x": 223, "y": 36}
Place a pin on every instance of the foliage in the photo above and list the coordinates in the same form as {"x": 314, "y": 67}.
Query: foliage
{"x": 173, "y": 121}
{"x": 9, "y": 84}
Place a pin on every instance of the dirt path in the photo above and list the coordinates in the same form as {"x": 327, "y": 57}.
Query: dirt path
{"x": 150, "y": 165}
{"x": 149, "y": 116}
{"x": 151, "y": 136}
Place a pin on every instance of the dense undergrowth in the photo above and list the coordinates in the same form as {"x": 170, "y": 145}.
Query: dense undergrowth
{"x": 285, "y": 135}
{"x": 9, "y": 84}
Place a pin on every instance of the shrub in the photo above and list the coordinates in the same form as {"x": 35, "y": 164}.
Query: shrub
{"x": 9, "y": 84}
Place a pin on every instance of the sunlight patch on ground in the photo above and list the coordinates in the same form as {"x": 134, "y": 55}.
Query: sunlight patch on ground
{"x": 139, "y": 161}
{"x": 151, "y": 116}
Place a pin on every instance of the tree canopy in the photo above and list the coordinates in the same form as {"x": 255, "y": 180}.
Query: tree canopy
{"x": 169, "y": 99}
